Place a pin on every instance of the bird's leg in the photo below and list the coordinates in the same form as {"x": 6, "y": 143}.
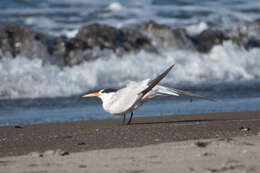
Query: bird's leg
{"x": 124, "y": 119}
{"x": 130, "y": 118}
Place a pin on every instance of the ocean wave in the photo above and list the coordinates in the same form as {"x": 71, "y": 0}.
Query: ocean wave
{"x": 24, "y": 78}
{"x": 72, "y": 15}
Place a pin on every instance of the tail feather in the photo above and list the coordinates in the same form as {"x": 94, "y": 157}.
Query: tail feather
{"x": 162, "y": 90}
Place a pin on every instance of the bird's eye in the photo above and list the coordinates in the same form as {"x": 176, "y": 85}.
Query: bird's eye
{"x": 109, "y": 90}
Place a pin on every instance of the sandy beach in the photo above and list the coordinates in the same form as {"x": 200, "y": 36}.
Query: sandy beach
{"x": 217, "y": 142}
{"x": 239, "y": 154}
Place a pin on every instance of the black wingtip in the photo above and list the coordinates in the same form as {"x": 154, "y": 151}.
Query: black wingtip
{"x": 155, "y": 81}
{"x": 170, "y": 67}
{"x": 209, "y": 99}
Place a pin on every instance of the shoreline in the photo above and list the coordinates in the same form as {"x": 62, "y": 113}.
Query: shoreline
{"x": 108, "y": 134}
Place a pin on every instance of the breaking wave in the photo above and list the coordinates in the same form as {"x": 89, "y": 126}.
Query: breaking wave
{"x": 24, "y": 78}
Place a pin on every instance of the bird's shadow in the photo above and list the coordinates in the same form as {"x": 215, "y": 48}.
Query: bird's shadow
{"x": 178, "y": 121}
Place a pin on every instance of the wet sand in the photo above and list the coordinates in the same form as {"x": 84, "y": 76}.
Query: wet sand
{"x": 108, "y": 134}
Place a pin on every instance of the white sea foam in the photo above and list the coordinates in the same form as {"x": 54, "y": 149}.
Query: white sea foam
{"x": 197, "y": 28}
{"x": 70, "y": 33}
{"x": 115, "y": 6}
{"x": 41, "y": 21}
{"x": 21, "y": 77}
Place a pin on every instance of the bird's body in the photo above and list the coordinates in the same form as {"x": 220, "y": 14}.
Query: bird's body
{"x": 127, "y": 99}
{"x": 124, "y": 100}
{"x": 131, "y": 97}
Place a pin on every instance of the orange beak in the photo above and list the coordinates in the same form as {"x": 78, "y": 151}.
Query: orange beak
{"x": 92, "y": 95}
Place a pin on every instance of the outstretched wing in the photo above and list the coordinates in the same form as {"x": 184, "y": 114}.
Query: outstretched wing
{"x": 162, "y": 90}
{"x": 155, "y": 81}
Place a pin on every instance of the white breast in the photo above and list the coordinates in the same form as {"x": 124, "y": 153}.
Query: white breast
{"x": 124, "y": 100}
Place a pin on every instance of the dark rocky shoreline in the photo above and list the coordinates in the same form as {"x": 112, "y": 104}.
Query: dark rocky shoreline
{"x": 95, "y": 40}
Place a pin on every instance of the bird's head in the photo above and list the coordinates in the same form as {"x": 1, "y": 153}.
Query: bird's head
{"x": 100, "y": 93}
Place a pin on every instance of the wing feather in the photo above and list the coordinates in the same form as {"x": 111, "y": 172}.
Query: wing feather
{"x": 155, "y": 81}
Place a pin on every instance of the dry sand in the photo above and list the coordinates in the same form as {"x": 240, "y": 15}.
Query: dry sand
{"x": 236, "y": 155}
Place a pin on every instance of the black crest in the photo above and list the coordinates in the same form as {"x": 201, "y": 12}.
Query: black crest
{"x": 108, "y": 90}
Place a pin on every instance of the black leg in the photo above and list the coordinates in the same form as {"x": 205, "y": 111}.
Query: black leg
{"x": 124, "y": 119}
{"x": 130, "y": 118}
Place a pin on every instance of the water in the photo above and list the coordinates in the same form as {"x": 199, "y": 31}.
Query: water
{"x": 31, "y": 111}
{"x": 66, "y": 17}
{"x": 34, "y": 93}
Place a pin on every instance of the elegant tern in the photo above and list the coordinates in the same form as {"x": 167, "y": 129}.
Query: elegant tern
{"x": 131, "y": 97}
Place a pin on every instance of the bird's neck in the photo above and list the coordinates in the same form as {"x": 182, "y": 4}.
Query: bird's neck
{"x": 107, "y": 100}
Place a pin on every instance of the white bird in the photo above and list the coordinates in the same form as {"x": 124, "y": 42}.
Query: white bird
{"x": 128, "y": 99}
